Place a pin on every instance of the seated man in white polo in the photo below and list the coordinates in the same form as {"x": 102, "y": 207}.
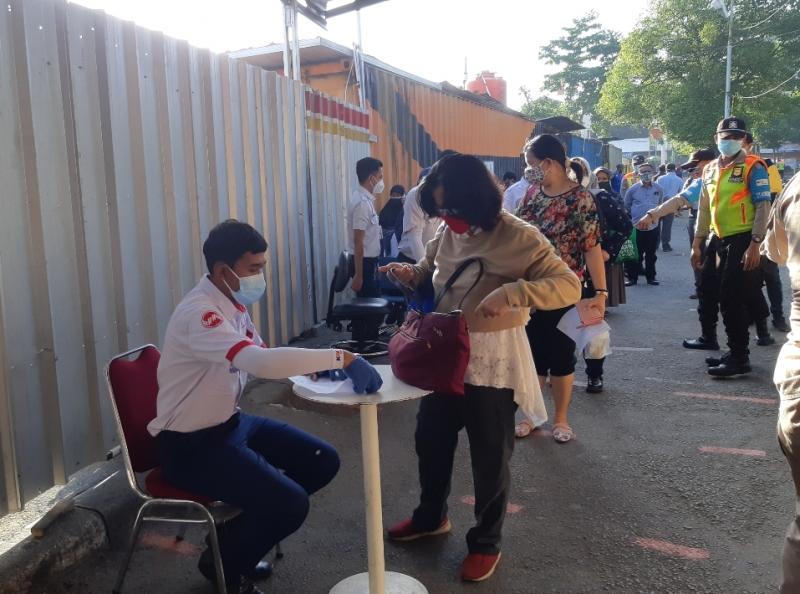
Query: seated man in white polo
{"x": 208, "y": 446}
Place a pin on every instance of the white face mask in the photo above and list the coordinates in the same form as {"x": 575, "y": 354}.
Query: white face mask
{"x": 251, "y": 288}
{"x": 379, "y": 187}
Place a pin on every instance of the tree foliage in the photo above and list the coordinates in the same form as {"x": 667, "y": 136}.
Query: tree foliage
{"x": 544, "y": 107}
{"x": 670, "y": 70}
{"x": 583, "y": 56}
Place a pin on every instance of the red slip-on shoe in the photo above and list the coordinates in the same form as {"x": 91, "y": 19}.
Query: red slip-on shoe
{"x": 478, "y": 567}
{"x": 405, "y": 530}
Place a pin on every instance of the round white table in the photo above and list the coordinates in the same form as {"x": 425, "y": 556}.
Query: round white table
{"x": 377, "y": 580}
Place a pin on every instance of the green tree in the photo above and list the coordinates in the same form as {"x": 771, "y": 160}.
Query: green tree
{"x": 544, "y": 107}
{"x": 670, "y": 70}
{"x": 583, "y": 56}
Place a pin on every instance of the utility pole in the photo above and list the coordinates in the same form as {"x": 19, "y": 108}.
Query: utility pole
{"x": 728, "y": 13}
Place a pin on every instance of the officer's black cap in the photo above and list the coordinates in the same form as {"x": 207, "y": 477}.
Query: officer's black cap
{"x": 732, "y": 124}
{"x": 697, "y": 156}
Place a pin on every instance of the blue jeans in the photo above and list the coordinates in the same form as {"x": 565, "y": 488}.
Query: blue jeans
{"x": 239, "y": 462}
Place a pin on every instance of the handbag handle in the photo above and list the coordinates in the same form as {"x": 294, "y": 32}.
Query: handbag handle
{"x": 459, "y": 271}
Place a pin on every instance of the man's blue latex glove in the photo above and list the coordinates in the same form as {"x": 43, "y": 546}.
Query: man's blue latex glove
{"x": 335, "y": 375}
{"x": 365, "y": 377}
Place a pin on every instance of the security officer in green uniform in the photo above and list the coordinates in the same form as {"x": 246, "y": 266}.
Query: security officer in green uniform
{"x": 734, "y": 205}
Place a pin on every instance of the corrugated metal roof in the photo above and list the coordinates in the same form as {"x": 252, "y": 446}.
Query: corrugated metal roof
{"x": 320, "y": 50}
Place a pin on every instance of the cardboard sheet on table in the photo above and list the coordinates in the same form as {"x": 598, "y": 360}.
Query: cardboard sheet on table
{"x": 572, "y": 325}
{"x": 323, "y": 385}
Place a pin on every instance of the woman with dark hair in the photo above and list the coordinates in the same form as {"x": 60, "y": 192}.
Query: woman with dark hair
{"x": 520, "y": 271}
{"x": 566, "y": 214}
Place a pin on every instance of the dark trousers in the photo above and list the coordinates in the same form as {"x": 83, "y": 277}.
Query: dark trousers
{"x": 708, "y": 289}
{"x": 738, "y": 293}
{"x": 488, "y": 416}
{"x": 690, "y": 228}
{"x": 666, "y": 229}
{"x": 594, "y": 368}
{"x": 240, "y": 463}
{"x": 368, "y": 328}
{"x": 772, "y": 278}
{"x": 370, "y": 288}
{"x": 647, "y": 244}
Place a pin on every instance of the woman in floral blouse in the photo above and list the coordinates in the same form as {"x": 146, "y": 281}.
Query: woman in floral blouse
{"x": 566, "y": 214}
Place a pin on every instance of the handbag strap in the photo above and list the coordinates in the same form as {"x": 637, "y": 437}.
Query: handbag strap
{"x": 459, "y": 271}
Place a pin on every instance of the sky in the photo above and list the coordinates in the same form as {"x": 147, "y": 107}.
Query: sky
{"x": 428, "y": 38}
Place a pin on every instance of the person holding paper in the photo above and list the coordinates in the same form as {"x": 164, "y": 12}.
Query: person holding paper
{"x": 566, "y": 213}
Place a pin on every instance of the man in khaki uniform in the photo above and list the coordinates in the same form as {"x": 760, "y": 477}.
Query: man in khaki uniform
{"x": 782, "y": 245}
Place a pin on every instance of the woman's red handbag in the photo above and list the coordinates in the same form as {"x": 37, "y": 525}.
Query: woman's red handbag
{"x": 430, "y": 351}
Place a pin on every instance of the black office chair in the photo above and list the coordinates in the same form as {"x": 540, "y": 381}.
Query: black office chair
{"x": 364, "y": 315}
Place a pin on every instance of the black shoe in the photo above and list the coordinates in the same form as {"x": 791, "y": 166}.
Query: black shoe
{"x": 714, "y": 361}
{"x": 653, "y": 282}
{"x": 630, "y": 283}
{"x": 701, "y": 344}
{"x": 765, "y": 340}
{"x": 781, "y": 325}
{"x": 206, "y": 566}
{"x": 666, "y": 248}
{"x": 730, "y": 367}
{"x": 595, "y": 385}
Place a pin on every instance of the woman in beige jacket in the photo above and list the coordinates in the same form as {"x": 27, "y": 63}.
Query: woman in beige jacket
{"x": 521, "y": 272}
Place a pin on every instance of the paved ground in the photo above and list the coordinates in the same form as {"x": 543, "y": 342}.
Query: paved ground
{"x": 634, "y": 505}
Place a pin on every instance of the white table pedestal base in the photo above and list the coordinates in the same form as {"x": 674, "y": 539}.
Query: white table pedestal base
{"x": 396, "y": 583}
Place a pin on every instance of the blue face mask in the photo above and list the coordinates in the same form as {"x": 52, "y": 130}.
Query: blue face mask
{"x": 729, "y": 146}
{"x": 251, "y": 288}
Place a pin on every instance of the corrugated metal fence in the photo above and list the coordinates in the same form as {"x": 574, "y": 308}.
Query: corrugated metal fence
{"x": 119, "y": 150}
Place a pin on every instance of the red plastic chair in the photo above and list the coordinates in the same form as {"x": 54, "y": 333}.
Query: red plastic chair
{"x": 133, "y": 388}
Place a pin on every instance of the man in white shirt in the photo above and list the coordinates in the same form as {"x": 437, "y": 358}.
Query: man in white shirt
{"x": 418, "y": 227}
{"x": 782, "y": 246}
{"x": 365, "y": 228}
{"x": 672, "y": 185}
{"x": 206, "y": 445}
{"x": 516, "y": 192}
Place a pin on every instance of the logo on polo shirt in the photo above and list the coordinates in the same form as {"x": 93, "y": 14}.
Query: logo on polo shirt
{"x": 211, "y": 319}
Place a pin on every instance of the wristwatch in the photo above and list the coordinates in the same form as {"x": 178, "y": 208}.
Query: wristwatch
{"x": 757, "y": 239}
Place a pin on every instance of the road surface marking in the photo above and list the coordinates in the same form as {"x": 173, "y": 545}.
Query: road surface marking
{"x": 633, "y": 349}
{"x": 735, "y": 451}
{"x": 151, "y": 540}
{"x": 579, "y": 384}
{"x": 669, "y": 381}
{"x": 511, "y": 508}
{"x": 770, "y": 401}
{"x": 672, "y": 549}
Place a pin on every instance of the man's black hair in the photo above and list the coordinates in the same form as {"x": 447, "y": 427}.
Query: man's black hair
{"x": 509, "y": 175}
{"x": 366, "y": 167}
{"x": 670, "y": 166}
{"x": 229, "y": 241}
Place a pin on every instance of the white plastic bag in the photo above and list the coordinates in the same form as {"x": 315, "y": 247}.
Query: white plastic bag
{"x": 599, "y": 347}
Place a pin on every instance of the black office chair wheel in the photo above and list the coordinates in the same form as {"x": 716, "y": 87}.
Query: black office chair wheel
{"x": 366, "y": 348}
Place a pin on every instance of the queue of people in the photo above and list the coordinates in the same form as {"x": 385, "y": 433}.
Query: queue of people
{"x": 556, "y": 252}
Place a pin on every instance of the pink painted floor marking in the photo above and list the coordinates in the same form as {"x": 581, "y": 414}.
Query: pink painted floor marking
{"x": 770, "y": 401}
{"x": 672, "y": 549}
{"x": 511, "y": 508}
{"x": 734, "y": 451}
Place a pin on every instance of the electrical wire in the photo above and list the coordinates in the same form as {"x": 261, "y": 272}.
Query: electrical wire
{"x": 775, "y": 88}
{"x": 777, "y": 10}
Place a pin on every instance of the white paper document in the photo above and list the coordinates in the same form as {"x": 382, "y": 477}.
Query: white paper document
{"x": 571, "y": 325}
{"x": 323, "y": 385}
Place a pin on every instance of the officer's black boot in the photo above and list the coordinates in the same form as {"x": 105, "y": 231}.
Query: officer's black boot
{"x": 706, "y": 342}
{"x": 764, "y": 337}
{"x": 731, "y": 366}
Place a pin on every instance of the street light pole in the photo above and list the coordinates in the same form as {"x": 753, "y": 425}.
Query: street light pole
{"x": 729, "y": 64}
